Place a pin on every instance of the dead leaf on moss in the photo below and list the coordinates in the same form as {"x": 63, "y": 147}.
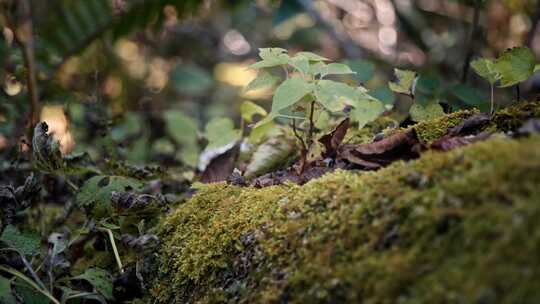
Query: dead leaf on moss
{"x": 473, "y": 122}
{"x": 448, "y": 143}
{"x": 333, "y": 140}
{"x": 371, "y": 156}
{"x": 221, "y": 166}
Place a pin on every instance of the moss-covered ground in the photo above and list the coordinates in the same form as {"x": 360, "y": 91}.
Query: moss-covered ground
{"x": 455, "y": 227}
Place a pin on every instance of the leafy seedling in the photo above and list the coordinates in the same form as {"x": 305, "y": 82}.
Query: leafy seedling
{"x": 485, "y": 68}
{"x": 305, "y": 93}
{"x": 405, "y": 82}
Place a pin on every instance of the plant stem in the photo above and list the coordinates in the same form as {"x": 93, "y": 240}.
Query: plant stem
{"x": 311, "y": 124}
{"x": 115, "y": 250}
{"x": 492, "y": 102}
{"x": 303, "y": 150}
{"x": 30, "y": 282}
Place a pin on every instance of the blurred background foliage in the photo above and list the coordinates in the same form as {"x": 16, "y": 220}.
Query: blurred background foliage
{"x": 146, "y": 76}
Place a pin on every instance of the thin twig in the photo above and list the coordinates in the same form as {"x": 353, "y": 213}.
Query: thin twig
{"x": 115, "y": 250}
{"x": 27, "y": 265}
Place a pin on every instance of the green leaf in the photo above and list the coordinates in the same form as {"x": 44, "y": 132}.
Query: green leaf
{"x": 335, "y": 69}
{"x": 334, "y": 96}
{"x": 183, "y": 129}
{"x": 432, "y": 110}
{"x": 29, "y": 294}
{"x": 316, "y": 68}
{"x": 364, "y": 69}
{"x": 191, "y": 80}
{"x": 262, "y": 132}
{"x": 469, "y": 95}
{"x": 289, "y": 92}
{"x": 515, "y": 65}
{"x": 271, "y": 57}
{"x": 268, "y": 119}
{"x": 248, "y": 109}
{"x": 262, "y": 81}
{"x": 26, "y": 243}
{"x": 95, "y": 194}
{"x": 270, "y": 155}
{"x": 221, "y": 132}
{"x": 271, "y": 53}
{"x": 5, "y": 292}
{"x": 405, "y": 80}
{"x": 384, "y": 94}
{"x": 300, "y": 63}
{"x": 485, "y": 68}
{"x": 366, "y": 112}
{"x": 100, "y": 279}
{"x": 312, "y": 56}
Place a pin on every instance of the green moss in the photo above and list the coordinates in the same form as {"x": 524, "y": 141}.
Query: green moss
{"x": 509, "y": 119}
{"x": 428, "y": 131}
{"x": 455, "y": 227}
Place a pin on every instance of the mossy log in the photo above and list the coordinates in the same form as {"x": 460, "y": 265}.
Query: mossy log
{"x": 450, "y": 227}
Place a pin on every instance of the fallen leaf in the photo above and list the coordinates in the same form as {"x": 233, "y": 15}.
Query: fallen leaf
{"x": 334, "y": 139}
{"x": 221, "y": 166}
{"x": 380, "y": 153}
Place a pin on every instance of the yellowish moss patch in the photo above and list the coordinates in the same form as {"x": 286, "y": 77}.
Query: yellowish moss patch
{"x": 444, "y": 228}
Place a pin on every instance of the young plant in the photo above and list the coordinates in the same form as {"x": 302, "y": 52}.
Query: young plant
{"x": 515, "y": 65}
{"x": 405, "y": 84}
{"x": 305, "y": 93}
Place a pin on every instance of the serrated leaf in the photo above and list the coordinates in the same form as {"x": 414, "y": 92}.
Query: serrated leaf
{"x": 95, "y": 194}
{"x": 289, "y": 92}
{"x": 404, "y": 83}
{"x": 221, "y": 132}
{"x": 300, "y": 63}
{"x": 271, "y": 57}
{"x": 312, "y": 56}
{"x": 334, "y": 96}
{"x": 366, "y": 112}
{"x": 485, "y": 68}
{"x": 26, "y": 243}
{"x": 420, "y": 113}
{"x": 100, "y": 279}
{"x": 271, "y": 53}
{"x": 249, "y": 109}
{"x": 515, "y": 65}
{"x": 6, "y": 296}
{"x": 262, "y": 81}
{"x": 335, "y": 69}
